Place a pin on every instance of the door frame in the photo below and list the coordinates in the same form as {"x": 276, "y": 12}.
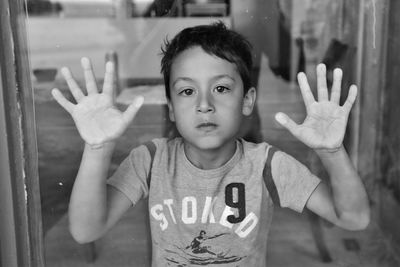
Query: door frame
{"x": 21, "y": 236}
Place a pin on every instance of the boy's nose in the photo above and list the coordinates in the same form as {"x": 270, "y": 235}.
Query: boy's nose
{"x": 205, "y": 104}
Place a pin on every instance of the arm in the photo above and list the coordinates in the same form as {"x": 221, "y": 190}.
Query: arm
{"x": 94, "y": 207}
{"x": 345, "y": 202}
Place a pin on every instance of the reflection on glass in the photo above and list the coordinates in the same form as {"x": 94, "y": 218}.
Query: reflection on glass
{"x": 60, "y": 33}
{"x": 288, "y": 37}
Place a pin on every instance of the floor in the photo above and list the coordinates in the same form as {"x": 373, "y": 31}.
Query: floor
{"x": 290, "y": 242}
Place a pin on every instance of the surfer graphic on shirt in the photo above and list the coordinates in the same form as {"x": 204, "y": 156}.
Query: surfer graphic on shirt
{"x": 196, "y": 244}
{"x": 200, "y": 254}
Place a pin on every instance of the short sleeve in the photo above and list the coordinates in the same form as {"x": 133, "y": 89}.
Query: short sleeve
{"x": 131, "y": 176}
{"x": 294, "y": 182}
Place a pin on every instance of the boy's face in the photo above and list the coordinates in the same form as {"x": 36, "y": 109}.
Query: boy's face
{"x": 207, "y": 101}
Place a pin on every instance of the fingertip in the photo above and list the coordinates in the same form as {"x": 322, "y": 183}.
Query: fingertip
{"x": 85, "y": 61}
{"x": 133, "y": 108}
{"x": 321, "y": 67}
{"x": 353, "y": 91}
{"x": 54, "y": 92}
{"x": 60, "y": 99}
{"x": 353, "y": 87}
{"x": 109, "y": 66}
{"x": 64, "y": 71}
{"x": 281, "y": 118}
{"x": 301, "y": 75}
{"x": 338, "y": 72}
{"x": 138, "y": 102}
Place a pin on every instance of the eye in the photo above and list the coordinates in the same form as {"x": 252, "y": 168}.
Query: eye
{"x": 186, "y": 92}
{"x": 222, "y": 89}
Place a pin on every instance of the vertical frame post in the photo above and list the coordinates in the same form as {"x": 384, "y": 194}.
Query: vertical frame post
{"x": 21, "y": 238}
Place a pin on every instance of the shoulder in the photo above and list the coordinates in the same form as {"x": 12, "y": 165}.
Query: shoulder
{"x": 254, "y": 150}
{"x": 286, "y": 167}
{"x": 266, "y": 150}
{"x": 250, "y": 146}
{"x": 163, "y": 149}
{"x": 157, "y": 143}
{"x": 143, "y": 150}
{"x": 270, "y": 155}
{"x": 283, "y": 160}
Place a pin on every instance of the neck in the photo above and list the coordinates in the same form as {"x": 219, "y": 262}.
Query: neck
{"x": 210, "y": 158}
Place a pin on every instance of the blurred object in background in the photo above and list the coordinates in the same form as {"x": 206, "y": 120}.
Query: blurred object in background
{"x": 157, "y": 8}
{"x": 43, "y": 7}
{"x": 45, "y": 74}
{"x": 87, "y": 8}
{"x": 128, "y": 8}
{"x": 206, "y": 8}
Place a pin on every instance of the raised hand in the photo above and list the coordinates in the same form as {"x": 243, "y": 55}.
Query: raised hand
{"x": 325, "y": 124}
{"x": 95, "y": 115}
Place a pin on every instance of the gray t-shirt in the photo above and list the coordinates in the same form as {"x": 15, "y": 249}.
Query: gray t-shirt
{"x": 218, "y": 217}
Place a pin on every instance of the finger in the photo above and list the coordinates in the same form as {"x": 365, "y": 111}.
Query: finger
{"x": 60, "y": 98}
{"x": 72, "y": 85}
{"x": 321, "y": 83}
{"x": 133, "y": 108}
{"x": 337, "y": 85}
{"x": 305, "y": 89}
{"x": 287, "y": 122}
{"x": 108, "y": 85}
{"x": 91, "y": 85}
{"x": 351, "y": 98}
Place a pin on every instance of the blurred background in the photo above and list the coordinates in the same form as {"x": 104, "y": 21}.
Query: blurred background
{"x": 288, "y": 36}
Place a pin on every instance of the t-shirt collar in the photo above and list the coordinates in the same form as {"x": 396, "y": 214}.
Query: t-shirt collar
{"x": 211, "y": 173}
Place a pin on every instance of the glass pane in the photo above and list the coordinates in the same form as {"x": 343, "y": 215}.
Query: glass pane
{"x": 287, "y": 37}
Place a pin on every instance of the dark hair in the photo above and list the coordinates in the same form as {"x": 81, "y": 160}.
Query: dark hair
{"x": 214, "y": 39}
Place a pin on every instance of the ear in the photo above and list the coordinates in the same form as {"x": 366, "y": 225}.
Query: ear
{"x": 171, "y": 113}
{"x": 249, "y": 101}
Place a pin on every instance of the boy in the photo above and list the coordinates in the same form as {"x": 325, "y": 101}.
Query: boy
{"x": 208, "y": 180}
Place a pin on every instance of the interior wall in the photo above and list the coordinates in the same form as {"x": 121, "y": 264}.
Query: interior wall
{"x": 390, "y": 144}
{"x": 56, "y": 42}
{"x": 391, "y": 131}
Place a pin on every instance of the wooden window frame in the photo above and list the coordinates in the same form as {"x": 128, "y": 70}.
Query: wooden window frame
{"x": 21, "y": 237}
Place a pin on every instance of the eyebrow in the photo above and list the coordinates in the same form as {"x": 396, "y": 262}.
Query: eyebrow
{"x": 215, "y": 78}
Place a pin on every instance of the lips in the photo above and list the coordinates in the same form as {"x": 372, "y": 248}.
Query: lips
{"x": 207, "y": 126}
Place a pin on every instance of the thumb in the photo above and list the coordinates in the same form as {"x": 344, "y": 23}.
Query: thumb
{"x": 286, "y": 122}
{"x": 132, "y": 109}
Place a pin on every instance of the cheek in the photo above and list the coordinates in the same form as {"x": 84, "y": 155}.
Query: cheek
{"x": 181, "y": 114}
{"x": 179, "y": 118}
{"x": 231, "y": 106}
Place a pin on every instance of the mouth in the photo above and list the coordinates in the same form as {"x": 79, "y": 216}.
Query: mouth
{"x": 207, "y": 126}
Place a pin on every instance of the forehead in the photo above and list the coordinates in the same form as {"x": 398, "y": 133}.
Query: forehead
{"x": 195, "y": 63}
